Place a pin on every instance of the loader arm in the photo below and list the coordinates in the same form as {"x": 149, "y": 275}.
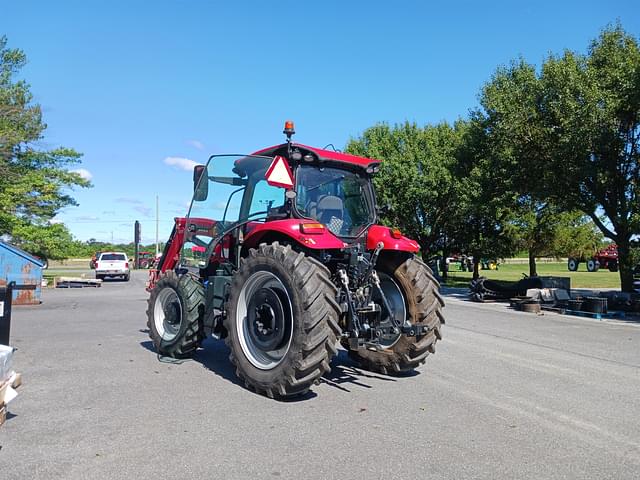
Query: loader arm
{"x": 171, "y": 253}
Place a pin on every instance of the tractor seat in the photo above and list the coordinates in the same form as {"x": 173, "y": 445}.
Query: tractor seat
{"x": 329, "y": 211}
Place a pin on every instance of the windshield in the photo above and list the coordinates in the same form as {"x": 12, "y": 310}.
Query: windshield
{"x": 339, "y": 199}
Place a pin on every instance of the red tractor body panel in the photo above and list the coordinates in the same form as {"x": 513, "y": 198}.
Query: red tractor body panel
{"x": 607, "y": 254}
{"x": 380, "y": 233}
{"x": 291, "y": 228}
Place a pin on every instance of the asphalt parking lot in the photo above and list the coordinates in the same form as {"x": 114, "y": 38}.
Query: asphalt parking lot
{"x": 508, "y": 395}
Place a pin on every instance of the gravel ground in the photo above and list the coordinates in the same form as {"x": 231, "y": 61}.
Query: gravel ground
{"x": 508, "y": 395}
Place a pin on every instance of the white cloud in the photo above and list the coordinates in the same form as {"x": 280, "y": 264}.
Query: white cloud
{"x": 181, "y": 163}
{"x": 196, "y": 144}
{"x": 133, "y": 201}
{"x": 53, "y": 221}
{"x": 83, "y": 172}
{"x": 146, "y": 211}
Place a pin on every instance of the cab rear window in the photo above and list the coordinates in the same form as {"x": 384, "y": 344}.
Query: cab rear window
{"x": 112, "y": 257}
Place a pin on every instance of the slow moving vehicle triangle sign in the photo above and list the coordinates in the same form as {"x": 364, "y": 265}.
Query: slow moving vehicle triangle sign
{"x": 279, "y": 174}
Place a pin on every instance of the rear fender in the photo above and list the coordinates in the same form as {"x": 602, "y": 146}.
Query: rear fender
{"x": 379, "y": 233}
{"x": 289, "y": 229}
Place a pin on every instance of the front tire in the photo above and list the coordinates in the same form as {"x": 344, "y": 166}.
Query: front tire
{"x": 423, "y": 307}
{"x": 175, "y": 314}
{"x": 282, "y": 320}
{"x": 593, "y": 265}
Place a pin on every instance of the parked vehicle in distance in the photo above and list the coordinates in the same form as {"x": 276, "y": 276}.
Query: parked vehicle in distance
{"x": 145, "y": 259}
{"x": 605, "y": 258}
{"x": 94, "y": 259}
{"x": 43, "y": 259}
{"x": 113, "y": 264}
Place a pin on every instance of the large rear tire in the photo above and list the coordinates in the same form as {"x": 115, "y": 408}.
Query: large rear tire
{"x": 423, "y": 305}
{"x": 282, "y": 320}
{"x": 175, "y": 314}
{"x": 593, "y": 265}
{"x": 572, "y": 264}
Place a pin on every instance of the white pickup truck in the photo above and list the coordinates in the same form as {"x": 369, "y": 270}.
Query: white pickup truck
{"x": 113, "y": 264}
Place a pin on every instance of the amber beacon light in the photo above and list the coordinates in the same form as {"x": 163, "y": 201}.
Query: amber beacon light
{"x": 289, "y": 128}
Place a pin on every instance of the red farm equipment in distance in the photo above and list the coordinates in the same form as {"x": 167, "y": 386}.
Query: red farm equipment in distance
{"x": 281, "y": 255}
{"x": 605, "y": 258}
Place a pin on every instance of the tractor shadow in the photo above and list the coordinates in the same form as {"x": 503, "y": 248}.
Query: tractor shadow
{"x": 345, "y": 373}
{"x": 214, "y": 356}
{"x": 456, "y": 292}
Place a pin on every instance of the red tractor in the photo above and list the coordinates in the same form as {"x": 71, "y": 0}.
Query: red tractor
{"x": 145, "y": 259}
{"x": 605, "y": 258}
{"x": 281, "y": 255}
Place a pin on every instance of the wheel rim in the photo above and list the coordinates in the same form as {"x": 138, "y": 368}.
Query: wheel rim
{"x": 394, "y": 296}
{"x": 264, "y": 320}
{"x": 572, "y": 265}
{"x": 167, "y": 314}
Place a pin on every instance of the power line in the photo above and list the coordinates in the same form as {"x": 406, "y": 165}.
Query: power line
{"x": 89, "y": 222}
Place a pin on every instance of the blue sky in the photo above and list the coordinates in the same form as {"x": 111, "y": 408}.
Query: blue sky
{"x": 131, "y": 84}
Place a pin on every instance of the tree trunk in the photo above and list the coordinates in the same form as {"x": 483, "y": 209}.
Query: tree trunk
{"x": 476, "y": 267}
{"x": 625, "y": 264}
{"x": 533, "y": 271}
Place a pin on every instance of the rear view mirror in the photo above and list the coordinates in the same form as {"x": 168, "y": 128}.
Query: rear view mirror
{"x": 200, "y": 183}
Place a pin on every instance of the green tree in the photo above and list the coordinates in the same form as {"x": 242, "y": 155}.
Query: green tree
{"x": 415, "y": 178}
{"x": 569, "y": 134}
{"x": 34, "y": 183}
{"x": 482, "y": 220}
{"x": 46, "y": 241}
{"x": 544, "y": 230}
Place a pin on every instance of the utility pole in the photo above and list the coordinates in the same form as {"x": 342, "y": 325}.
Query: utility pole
{"x": 137, "y": 234}
{"x": 157, "y": 222}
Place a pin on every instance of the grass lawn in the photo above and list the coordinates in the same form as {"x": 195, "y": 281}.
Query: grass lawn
{"x": 580, "y": 279}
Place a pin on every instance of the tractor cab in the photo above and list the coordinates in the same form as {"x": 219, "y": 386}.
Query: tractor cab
{"x": 319, "y": 198}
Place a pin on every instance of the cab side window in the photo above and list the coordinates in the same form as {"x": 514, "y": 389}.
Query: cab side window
{"x": 265, "y": 197}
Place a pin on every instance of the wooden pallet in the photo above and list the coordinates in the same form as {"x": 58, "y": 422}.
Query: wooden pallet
{"x": 77, "y": 282}
{"x": 580, "y": 313}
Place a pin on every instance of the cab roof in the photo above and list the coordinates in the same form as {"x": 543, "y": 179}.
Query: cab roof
{"x": 321, "y": 154}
